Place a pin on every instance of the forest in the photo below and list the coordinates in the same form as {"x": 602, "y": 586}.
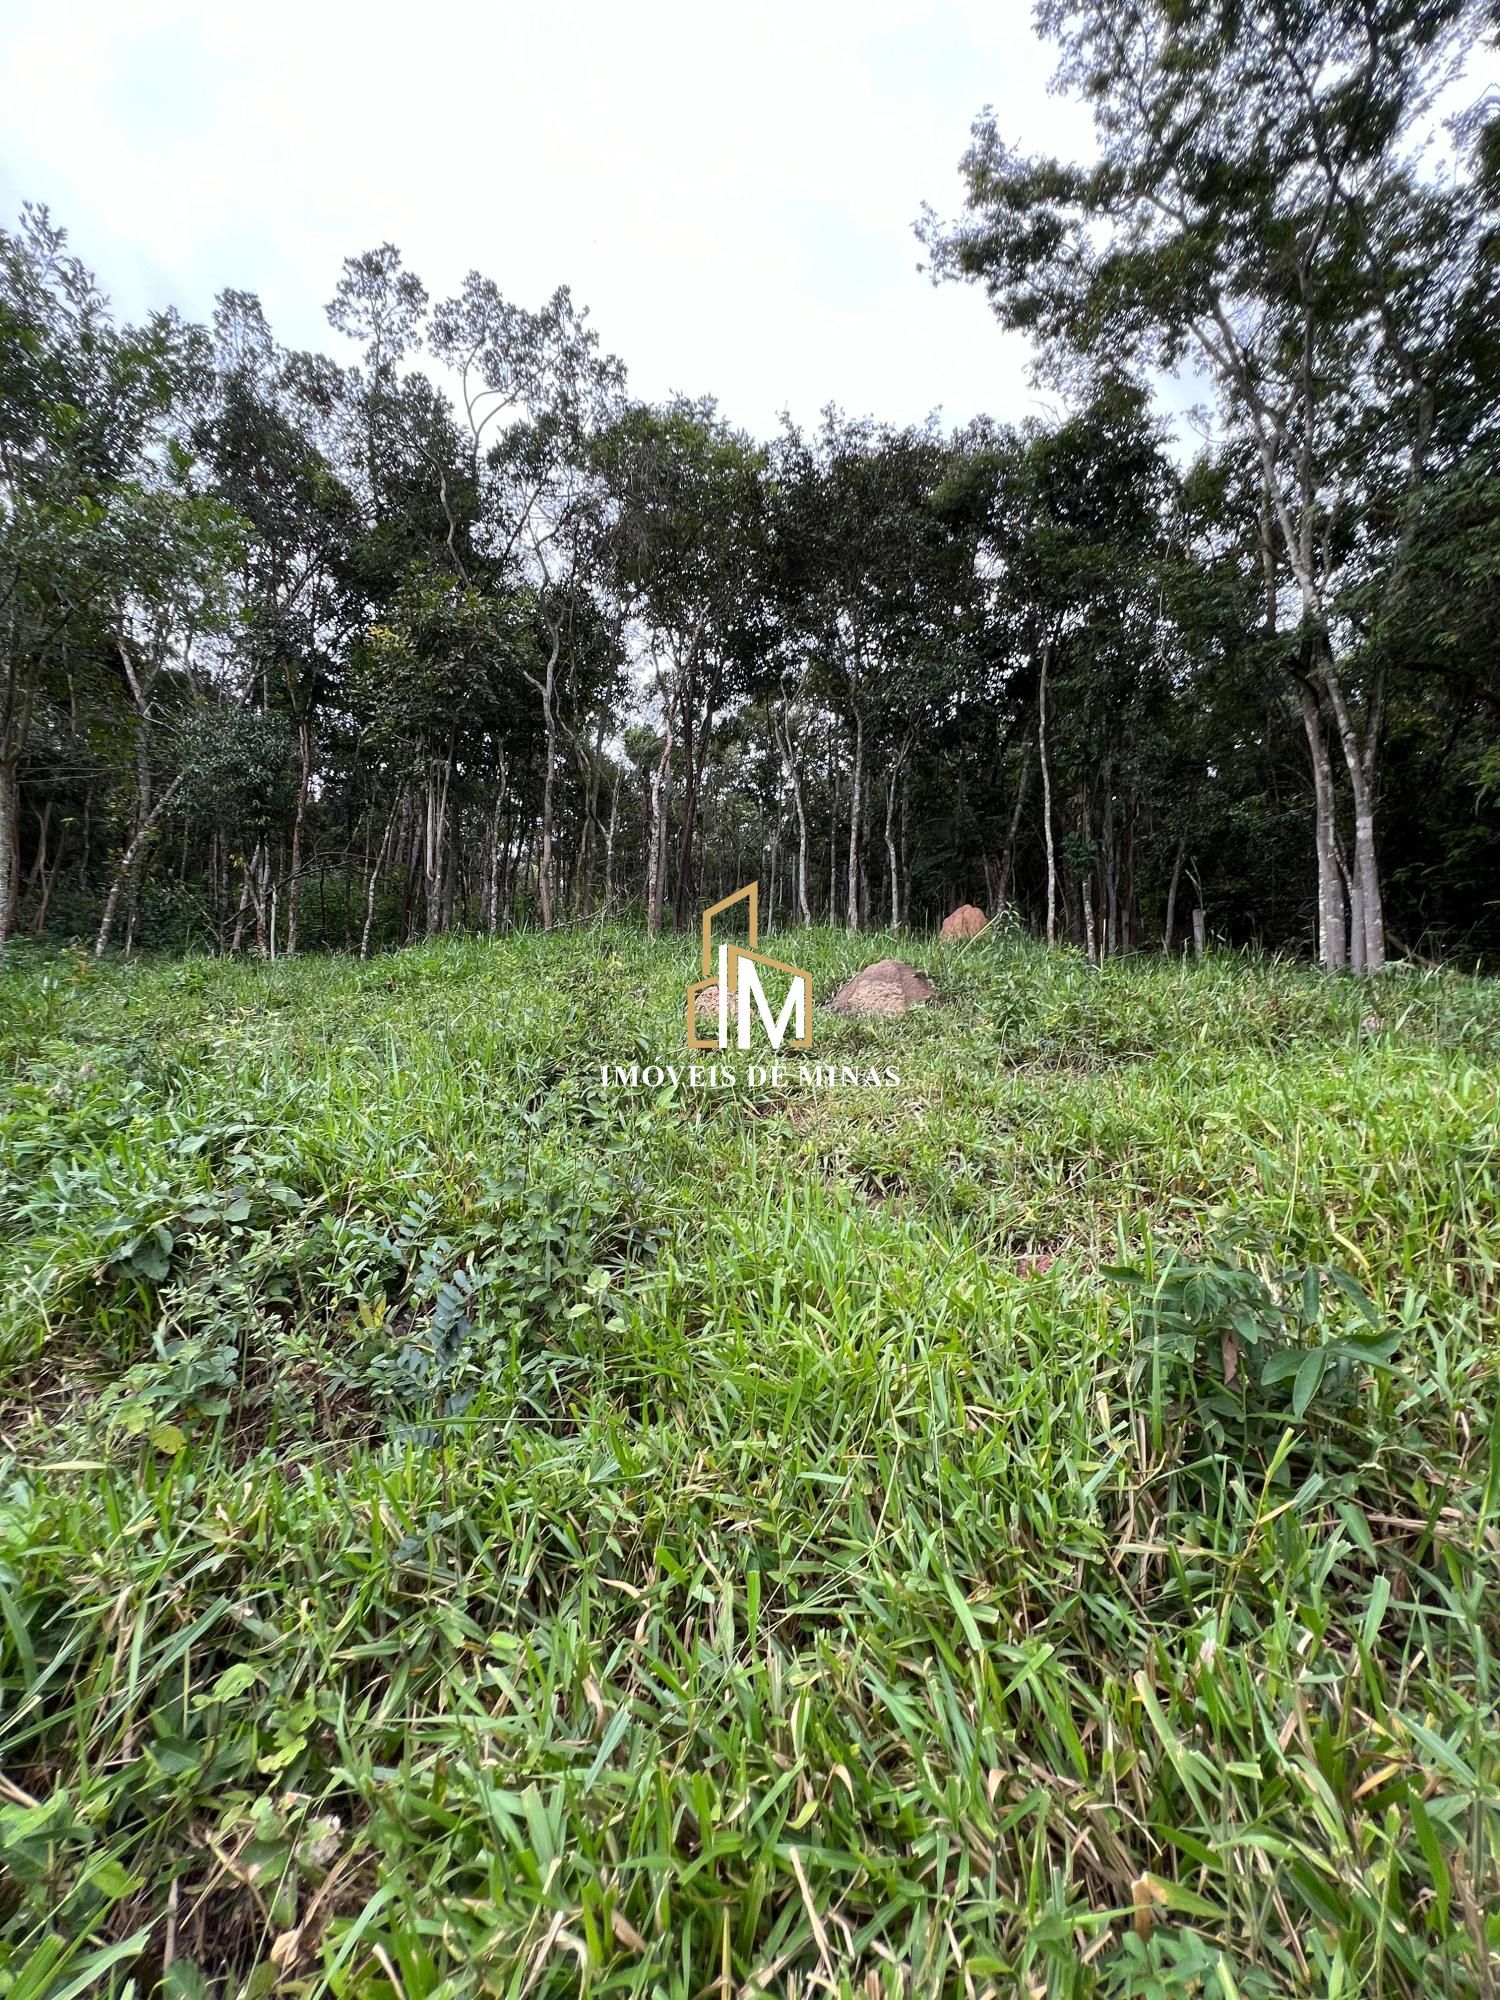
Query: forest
{"x": 452, "y": 634}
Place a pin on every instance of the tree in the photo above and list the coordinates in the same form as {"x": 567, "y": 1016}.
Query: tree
{"x": 1260, "y": 202}
{"x": 869, "y": 582}
{"x": 82, "y": 405}
{"x": 687, "y": 552}
{"x": 543, "y": 383}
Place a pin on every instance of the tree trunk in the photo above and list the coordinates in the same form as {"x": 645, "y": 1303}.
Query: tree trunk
{"x": 1110, "y": 868}
{"x": 1333, "y": 949}
{"x": 799, "y": 807}
{"x": 435, "y": 842}
{"x": 547, "y": 688}
{"x": 241, "y": 913}
{"x": 588, "y": 864}
{"x": 856, "y": 777}
{"x": 492, "y": 860}
{"x": 1367, "y": 905}
{"x": 1041, "y": 741}
{"x": 1166, "y": 942}
{"x": 892, "y": 859}
{"x": 39, "y": 859}
{"x": 260, "y": 883}
{"x": 609, "y": 843}
{"x": 49, "y": 883}
{"x": 1008, "y": 857}
{"x": 390, "y": 828}
{"x": 10, "y": 847}
{"x": 143, "y": 812}
{"x": 902, "y": 843}
{"x": 696, "y": 743}
{"x": 1355, "y": 900}
{"x": 656, "y": 844}
{"x": 892, "y": 786}
{"x": 125, "y": 867}
{"x": 304, "y": 786}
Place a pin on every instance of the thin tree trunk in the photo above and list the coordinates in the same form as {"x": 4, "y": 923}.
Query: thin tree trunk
{"x": 390, "y": 827}
{"x": 547, "y": 688}
{"x": 1333, "y": 949}
{"x": 1110, "y": 867}
{"x": 1355, "y": 896}
{"x": 241, "y": 913}
{"x": 144, "y": 815}
{"x": 1041, "y": 741}
{"x": 799, "y": 807}
{"x": 39, "y": 859}
{"x": 892, "y": 786}
{"x": 609, "y": 843}
{"x": 10, "y": 847}
{"x": 49, "y": 883}
{"x": 492, "y": 859}
{"x": 1367, "y": 906}
{"x": 892, "y": 860}
{"x": 696, "y": 744}
{"x": 1166, "y": 943}
{"x": 657, "y": 841}
{"x": 260, "y": 884}
{"x": 591, "y": 824}
{"x": 435, "y": 842}
{"x": 856, "y": 777}
{"x": 127, "y": 863}
{"x": 304, "y": 786}
{"x": 905, "y": 850}
{"x": 1008, "y": 858}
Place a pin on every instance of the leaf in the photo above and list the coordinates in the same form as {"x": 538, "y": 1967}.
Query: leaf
{"x": 1309, "y": 1375}
{"x": 168, "y": 1439}
{"x": 112, "y": 1879}
{"x": 1380, "y": 1597}
{"x": 284, "y": 1754}
{"x": 1432, "y": 1854}
{"x": 183, "y": 1981}
{"x": 1310, "y": 1294}
{"x": 1280, "y": 1366}
{"x": 1355, "y": 1293}
{"x": 234, "y": 1681}
{"x": 963, "y": 1613}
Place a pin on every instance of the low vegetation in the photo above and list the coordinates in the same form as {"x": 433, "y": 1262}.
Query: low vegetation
{"x": 463, "y": 1529}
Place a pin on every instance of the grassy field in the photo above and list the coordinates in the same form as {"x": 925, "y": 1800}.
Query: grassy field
{"x": 1032, "y": 1530}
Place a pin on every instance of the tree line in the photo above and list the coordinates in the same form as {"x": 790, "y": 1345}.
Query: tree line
{"x": 457, "y": 634}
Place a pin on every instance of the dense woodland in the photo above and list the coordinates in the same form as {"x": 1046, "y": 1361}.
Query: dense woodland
{"x": 301, "y": 654}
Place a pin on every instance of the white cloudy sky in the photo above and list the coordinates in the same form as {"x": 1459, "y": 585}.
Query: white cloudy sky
{"x": 731, "y": 189}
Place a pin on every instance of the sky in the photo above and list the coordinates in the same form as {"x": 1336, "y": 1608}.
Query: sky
{"x": 730, "y": 189}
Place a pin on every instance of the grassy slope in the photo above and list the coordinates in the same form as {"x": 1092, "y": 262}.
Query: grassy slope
{"x": 461, "y": 1524}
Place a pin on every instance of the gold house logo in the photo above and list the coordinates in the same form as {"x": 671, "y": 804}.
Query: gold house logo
{"x": 738, "y": 980}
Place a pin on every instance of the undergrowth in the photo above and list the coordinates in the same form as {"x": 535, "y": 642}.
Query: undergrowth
{"x": 466, "y": 1528}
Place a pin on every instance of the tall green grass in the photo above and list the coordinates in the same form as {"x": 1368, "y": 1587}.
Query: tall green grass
{"x": 466, "y": 1530}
